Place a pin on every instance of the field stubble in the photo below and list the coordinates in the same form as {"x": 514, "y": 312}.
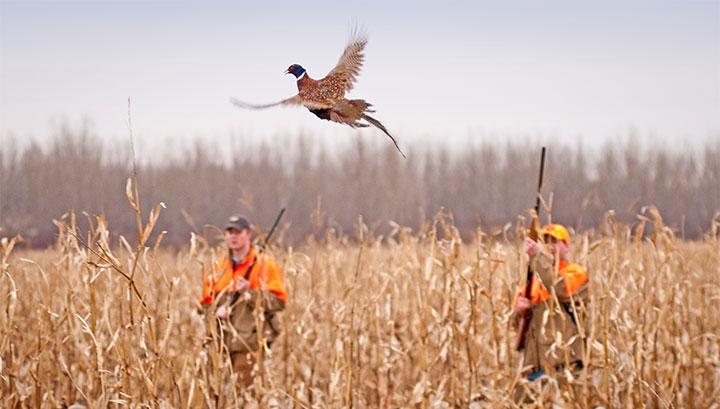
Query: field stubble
{"x": 408, "y": 320}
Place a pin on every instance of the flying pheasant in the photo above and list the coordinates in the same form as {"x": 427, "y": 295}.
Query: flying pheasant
{"x": 326, "y": 97}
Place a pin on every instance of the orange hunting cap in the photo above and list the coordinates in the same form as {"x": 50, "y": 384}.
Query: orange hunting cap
{"x": 557, "y": 231}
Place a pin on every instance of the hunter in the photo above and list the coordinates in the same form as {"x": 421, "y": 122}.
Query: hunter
{"x": 234, "y": 286}
{"x": 558, "y": 287}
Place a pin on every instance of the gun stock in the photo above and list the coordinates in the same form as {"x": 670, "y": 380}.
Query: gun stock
{"x": 533, "y": 234}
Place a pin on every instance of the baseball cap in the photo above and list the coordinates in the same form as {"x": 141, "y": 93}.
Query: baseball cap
{"x": 237, "y": 222}
{"x": 557, "y": 231}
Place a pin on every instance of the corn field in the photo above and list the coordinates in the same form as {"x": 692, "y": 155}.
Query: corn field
{"x": 411, "y": 319}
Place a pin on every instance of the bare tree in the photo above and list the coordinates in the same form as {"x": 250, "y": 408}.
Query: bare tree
{"x": 489, "y": 184}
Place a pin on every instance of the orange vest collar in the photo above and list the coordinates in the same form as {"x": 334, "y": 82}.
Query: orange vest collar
{"x": 248, "y": 259}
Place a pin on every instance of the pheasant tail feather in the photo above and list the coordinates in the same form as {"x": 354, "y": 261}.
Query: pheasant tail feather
{"x": 374, "y": 122}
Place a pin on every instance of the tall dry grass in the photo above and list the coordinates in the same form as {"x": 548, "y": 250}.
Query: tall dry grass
{"x": 410, "y": 319}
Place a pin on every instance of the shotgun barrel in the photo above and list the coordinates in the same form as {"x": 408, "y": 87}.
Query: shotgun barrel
{"x": 533, "y": 234}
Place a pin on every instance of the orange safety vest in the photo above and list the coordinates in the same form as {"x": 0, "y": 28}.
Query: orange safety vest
{"x": 573, "y": 275}
{"x": 264, "y": 274}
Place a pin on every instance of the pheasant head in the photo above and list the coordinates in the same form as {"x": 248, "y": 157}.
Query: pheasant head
{"x": 295, "y": 70}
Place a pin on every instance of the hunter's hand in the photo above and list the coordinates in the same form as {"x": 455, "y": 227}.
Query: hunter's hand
{"x": 241, "y": 284}
{"x": 522, "y": 304}
{"x": 532, "y": 247}
{"x": 222, "y": 312}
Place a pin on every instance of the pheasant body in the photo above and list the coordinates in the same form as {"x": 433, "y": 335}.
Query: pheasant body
{"x": 311, "y": 90}
{"x": 325, "y": 97}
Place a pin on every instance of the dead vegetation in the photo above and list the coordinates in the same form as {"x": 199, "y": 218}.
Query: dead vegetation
{"x": 411, "y": 319}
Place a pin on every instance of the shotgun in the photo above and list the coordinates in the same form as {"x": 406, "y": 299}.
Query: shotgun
{"x": 533, "y": 234}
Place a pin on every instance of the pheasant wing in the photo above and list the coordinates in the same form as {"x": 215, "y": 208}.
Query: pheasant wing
{"x": 296, "y": 100}
{"x": 345, "y": 73}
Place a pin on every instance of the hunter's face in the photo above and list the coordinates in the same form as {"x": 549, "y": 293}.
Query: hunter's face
{"x": 557, "y": 247}
{"x": 237, "y": 239}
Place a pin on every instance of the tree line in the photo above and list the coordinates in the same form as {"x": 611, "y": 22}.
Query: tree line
{"x": 486, "y": 184}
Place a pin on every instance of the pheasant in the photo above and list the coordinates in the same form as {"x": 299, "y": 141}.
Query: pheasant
{"x": 326, "y": 97}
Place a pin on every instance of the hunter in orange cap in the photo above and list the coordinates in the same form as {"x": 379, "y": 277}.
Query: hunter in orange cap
{"x": 241, "y": 281}
{"x": 554, "y": 273}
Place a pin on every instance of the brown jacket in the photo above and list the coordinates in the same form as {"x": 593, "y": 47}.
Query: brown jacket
{"x": 239, "y": 331}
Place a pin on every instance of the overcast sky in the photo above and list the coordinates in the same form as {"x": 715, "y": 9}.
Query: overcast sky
{"x": 437, "y": 72}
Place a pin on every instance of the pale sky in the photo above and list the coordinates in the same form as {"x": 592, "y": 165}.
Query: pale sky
{"x": 436, "y": 72}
